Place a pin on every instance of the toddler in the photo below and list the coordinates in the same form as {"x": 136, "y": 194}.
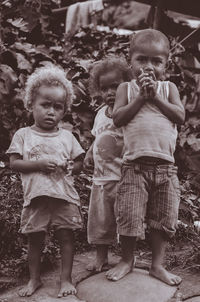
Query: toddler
{"x": 106, "y": 155}
{"x": 41, "y": 154}
{"x": 148, "y": 110}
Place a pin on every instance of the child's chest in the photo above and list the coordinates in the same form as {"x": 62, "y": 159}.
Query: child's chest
{"x": 36, "y": 148}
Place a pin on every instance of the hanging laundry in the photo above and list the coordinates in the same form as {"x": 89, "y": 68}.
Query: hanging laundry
{"x": 79, "y": 14}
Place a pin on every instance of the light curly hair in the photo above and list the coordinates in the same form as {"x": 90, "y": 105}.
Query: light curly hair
{"x": 104, "y": 66}
{"x": 48, "y": 76}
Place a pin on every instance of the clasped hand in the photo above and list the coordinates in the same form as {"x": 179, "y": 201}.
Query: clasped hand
{"x": 147, "y": 83}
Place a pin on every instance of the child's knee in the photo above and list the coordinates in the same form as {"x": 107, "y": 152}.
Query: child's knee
{"x": 36, "y": 238}
{"x": 64, "y": 235}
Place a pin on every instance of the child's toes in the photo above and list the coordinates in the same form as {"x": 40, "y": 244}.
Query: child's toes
{"x": 66, "y": 289}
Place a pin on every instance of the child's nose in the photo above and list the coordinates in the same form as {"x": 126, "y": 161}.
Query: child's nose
{"x": 148, "y": 67}
{"x": 51, "y": 110}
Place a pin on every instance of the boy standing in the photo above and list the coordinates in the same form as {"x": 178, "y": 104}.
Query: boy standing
{"x": 148, "y": 109}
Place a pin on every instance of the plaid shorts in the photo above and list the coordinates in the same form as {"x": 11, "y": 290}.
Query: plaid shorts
{"x": 101, "y": 216}
{"x": 147, "y": 193}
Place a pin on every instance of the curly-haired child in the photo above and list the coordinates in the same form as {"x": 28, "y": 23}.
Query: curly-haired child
{"x": 41, "y": 154}
{"x": 105, "y": 153}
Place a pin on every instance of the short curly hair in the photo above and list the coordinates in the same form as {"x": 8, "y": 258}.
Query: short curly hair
{"x": 47, "y": 76}
{"x": 102, "y": 67}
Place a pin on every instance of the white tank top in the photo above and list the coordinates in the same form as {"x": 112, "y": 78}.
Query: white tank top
{"x": 150, "y": 132}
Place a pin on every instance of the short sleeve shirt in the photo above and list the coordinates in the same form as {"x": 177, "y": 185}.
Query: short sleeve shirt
{"x": 59, "y": 147}
{"x": 107, "y": 149}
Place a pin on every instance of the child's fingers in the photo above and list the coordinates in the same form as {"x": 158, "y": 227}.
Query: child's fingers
{"x": 152, "y": 75}
{"x": 51, "y": 166}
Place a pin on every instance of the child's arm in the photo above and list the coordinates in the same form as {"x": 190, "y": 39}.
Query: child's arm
{"x": 78, "y": 164}
{"x": 28, "y": 166}
{"x": 173, "y": 109}
{"x": 123, "y": 111}
{"x": 88, "y": 161}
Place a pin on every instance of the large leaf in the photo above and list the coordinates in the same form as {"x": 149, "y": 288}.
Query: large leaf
{"x": 19, "y": 23}
{"x": 8, "y": 79}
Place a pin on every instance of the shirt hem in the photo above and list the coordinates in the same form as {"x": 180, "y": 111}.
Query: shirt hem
{"x": 27, "y": 202}
{"x": 150, "y": 154}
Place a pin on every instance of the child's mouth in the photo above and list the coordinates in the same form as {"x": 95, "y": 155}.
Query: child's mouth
{"x": 49, "y": 121}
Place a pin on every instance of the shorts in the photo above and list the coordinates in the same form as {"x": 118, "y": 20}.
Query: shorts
{"x": 45, "y": 211}
{"x": 101, "y": 217}
{"x": 147, "y": 194}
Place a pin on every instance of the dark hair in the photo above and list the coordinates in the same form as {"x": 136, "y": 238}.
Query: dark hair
{"x": 102, "y": 67}
{"x": 149, "y": 35}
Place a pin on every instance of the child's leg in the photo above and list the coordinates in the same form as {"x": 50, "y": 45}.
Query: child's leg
{"x": 66, "y": 241}
{"x": 101, "y": 262}
{"x": 130, "y": 211}
{"x": 125, "y": 266}
{"x": 102, "y": 223}
{"x": 158, "y": 253}
{"x": 35, "y": 244}
{"x": 162, "y": 218}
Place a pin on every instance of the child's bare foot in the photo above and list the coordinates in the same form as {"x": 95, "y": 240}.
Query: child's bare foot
{"x": 66, "y": 288}
{"x": 162, "y": 274}
{"x": 98, "y": 267}
{"x": 30, "y": 288}
{"x": 119, "y": 271}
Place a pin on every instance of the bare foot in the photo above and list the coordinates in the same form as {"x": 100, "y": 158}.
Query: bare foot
{"x": 162, "y": 274}
{"x": 119, "y": 271}
{"x": 30, "y": 288}
{"x": 66, "y": 289}
{"x": 98, "y": 267}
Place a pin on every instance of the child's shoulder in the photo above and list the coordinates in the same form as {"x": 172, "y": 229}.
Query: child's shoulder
{"x": 102, "y": 110}
{"x": 22, "y": 131}
{"x": 66, "y": 134}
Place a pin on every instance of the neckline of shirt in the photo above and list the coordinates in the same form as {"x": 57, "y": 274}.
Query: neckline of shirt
{"x": 50, "y": 134}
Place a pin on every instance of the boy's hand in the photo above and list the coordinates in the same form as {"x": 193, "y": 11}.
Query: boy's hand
{"x": 147, "y": 83}
{"x": 47, "y": 166}
{"x": 88, "y": 162}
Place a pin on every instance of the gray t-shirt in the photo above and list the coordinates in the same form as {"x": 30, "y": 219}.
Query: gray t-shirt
{"x": 58, "y": 146}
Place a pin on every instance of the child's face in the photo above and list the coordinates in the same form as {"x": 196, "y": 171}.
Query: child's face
{"x": 151, "y": 57}
{"x": 108, "y": 84}
{"x": 48, "y": 107}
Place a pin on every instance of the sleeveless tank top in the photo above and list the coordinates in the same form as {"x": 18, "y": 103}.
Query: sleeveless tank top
{"x": 150, "y": 132}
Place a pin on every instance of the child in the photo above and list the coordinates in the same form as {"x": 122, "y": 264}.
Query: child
{"x": 148, "y": 110}
{"x": 105, "y": 153}
{"x": 41, "y": 153}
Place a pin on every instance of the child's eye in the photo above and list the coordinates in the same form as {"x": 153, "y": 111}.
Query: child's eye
{"x": 157, "y": 62}
{"x": 59, "y": 107}
{"x": 45, "y": 106}
{"x": 142, "y": 59}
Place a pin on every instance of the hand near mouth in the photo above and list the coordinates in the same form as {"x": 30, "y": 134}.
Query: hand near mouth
{"x": 147, "y": 83}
